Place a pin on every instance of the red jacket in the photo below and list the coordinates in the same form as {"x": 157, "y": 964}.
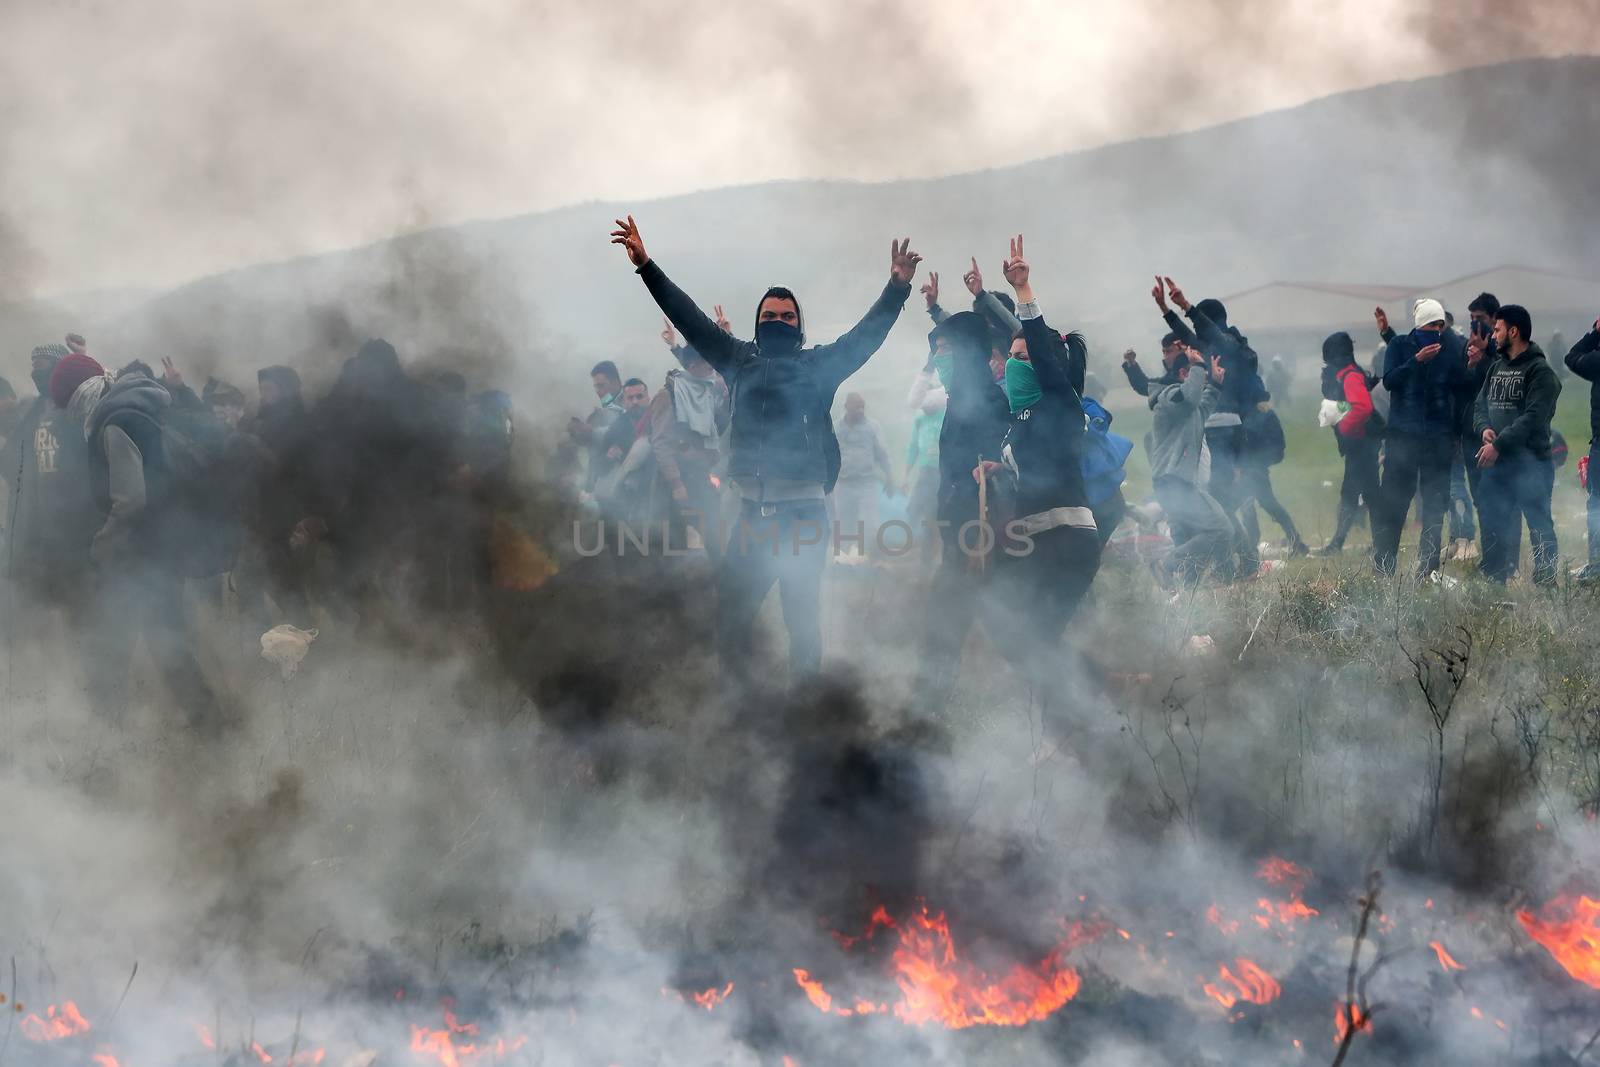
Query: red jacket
{"x": 1356, "y": 394}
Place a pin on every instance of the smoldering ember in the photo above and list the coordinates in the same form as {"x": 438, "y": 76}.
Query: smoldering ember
{"x": 830, "y": 534}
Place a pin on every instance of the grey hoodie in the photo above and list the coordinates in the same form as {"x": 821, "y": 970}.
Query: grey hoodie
{"x": 1180, "y": 412}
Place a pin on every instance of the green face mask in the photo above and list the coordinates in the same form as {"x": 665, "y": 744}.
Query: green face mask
{"x": 941, "y": 367}
{"x": 1022, "y": 387}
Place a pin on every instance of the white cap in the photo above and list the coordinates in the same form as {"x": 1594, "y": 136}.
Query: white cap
{"x": 1427, "y": 310}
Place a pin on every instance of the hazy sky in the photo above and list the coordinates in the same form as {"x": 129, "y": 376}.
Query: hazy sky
{"x": 145, "y": 143}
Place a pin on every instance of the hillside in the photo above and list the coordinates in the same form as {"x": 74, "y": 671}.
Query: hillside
{"x": 1425, "y": 179}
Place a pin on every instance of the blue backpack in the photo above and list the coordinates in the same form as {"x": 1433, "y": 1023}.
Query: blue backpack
{"x": 1104, "y": 453}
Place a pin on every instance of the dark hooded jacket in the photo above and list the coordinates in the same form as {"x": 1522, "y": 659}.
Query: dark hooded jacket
{"x": 976, "y": 418}
{"x": 51, "y": 517}
{"x": 1425, "y": 397}
{"x": 1043, "y": 447}
{"x": 1517, "y": 402}
{"x": 1584, "y": 361}
{"x": 781, "y": 428}
{"x": 1241, "y": 387}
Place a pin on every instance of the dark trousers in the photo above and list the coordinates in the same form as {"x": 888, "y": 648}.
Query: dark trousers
{"x": 1594, "y": 502}
{"x": 1255, "y": 481}
{"x": 788, "y": 546}
{"x": 139, "y": 600}
{"x": 1412, "y": 462}
{"x": 947, "y": 619}
{"x": 1034, "y": 596}
{"x": 1515, "y": 489}
{"x": 1360, "y": 485}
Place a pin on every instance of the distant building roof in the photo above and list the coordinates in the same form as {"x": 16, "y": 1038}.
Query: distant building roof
{"x": 1299, "y": 305}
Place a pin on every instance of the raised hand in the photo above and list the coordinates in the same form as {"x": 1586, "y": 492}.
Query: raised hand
{"x": 1194, "y": 355}
{"x": 930, "y": 289}
{"x": 1160, "y": 296}
{"x": 627, "y": 235}
{"x": 974, "y": 279}
{"x": 170, "y": 373}
{"x": 1218, "y": 371}
{"x": 1015, "y": 267}
{"x": 1381, "y": 317}
{"x": 902, "y": 261}
{"x": 669, "y": 336}
{"x": 1176, "y": 295}
{"x": 1477, "y": 348}
{"x": 721, "y": 320}
{"x": 1130, "y": 356}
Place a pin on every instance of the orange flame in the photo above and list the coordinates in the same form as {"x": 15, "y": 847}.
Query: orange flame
{"x": 1341, "y": 1021}
{"x": 937, "y": 985}
{"x": 1569, "y": 929}
{"x": 1446, "y": 961}
{"x": 57, "y": 1023}
{"x": 1252, "y": 984}
{"x": 204, "y": 1034}
{"x": 1276, "y": 871}
{"x": 104, "y": 1059}
{"x": 450, "y": 1051}
{"x": 1214, "y": 917}
{"x": 707, "y": 999}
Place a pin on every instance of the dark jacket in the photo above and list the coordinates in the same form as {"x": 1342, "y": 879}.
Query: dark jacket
{"x": 1425, "y": 397}
{"x": 782, "y": 430}
{"x": 135, "y": 502}
{"x": 1518, "y": 401}
{"x": 1241, "y": 381}
{"x": 51, "y": 517}
{"x": 1043, "y": 447}
{"x": 976, "y": 419}
{"x": 1584, "y": 361}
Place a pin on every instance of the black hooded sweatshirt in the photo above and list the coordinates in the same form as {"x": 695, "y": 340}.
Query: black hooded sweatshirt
{"x": 976, "y": 418}
{"x": 781, "y": 431}
{"x": 1517, "y": 402}
{"x": 1044, "y": 445}
{"x": 1241, "y": 382}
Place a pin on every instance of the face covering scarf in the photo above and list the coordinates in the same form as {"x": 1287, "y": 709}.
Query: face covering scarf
{"x": 1022, "y": 387}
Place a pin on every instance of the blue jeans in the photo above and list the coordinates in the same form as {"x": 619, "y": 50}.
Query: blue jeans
{"x": 1594, "y": 502}
{"x": 1460, "y": 513}
{"x": 1516, "y": 489}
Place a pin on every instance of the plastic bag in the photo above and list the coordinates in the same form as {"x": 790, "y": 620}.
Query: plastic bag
{"x": 286, "y": 646}
{"x": 1331, "y": 412}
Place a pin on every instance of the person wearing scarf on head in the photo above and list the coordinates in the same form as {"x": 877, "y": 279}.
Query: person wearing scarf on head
{"x": 1048, "y": 554}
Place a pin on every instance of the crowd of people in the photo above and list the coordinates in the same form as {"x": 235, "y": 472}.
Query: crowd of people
{"x": 1013, "y": 474}
{"x": 124, "y": 486}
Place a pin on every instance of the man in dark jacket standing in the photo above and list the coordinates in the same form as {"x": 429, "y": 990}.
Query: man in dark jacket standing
{"x": 784, "y": 455}
{"x": 1512, "y": 420}
{"x": 1424, "y": 373}
{"x": 1584, "y": 361}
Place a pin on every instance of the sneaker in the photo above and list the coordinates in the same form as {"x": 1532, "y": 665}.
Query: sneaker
{"x": 1587, "y": 574}
{"x": 1298, "y": 549}
{"x": 1468, "y": 550}
{"x": 1329, "y": 549}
